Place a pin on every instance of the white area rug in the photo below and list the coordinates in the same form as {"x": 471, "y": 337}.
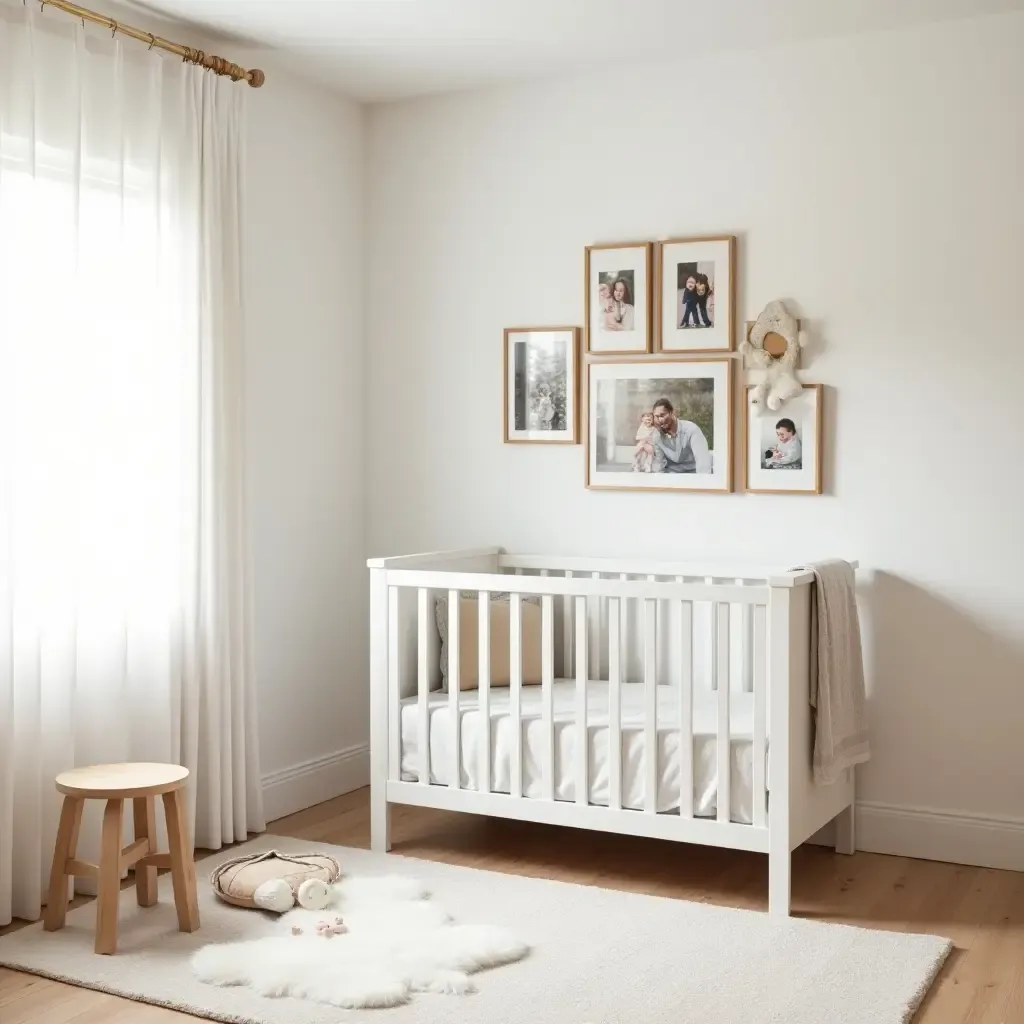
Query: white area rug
{"x": 597, "y": 957}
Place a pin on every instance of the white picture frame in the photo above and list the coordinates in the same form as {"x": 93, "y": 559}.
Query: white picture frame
{"x": 696, "y": 295}
{"x": 796, "y": 428}
{"x": 691, "y": 447}
{"x": 618, "y": 288}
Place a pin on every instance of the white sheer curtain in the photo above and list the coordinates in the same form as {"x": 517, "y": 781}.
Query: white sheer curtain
{"x": 123, "y": 609}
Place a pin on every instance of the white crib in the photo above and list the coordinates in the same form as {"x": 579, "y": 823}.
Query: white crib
{"x": 683, "y": 675}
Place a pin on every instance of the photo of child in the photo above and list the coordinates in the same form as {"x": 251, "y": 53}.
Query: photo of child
{"x": 781, "y": 446}
{"x": 615, "y": 300}
{"x": 696, "y": 291}
{"x": 645, "y": 452}
{"x": 541, "y": 368}
{"x": 541, "y": 381}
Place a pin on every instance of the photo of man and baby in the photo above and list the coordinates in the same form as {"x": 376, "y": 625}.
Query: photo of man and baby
{"x": 655, "y": 426}
{"x": 695, "y": 294}
{"x": 615, "y": 305}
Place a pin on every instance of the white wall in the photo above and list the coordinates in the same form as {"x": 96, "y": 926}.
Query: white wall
{"x": 875, "y": 181}
{"x": 304, "y": 383}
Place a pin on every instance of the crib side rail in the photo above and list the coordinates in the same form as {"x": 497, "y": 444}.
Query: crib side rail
{"x": 577, "y": 586}
{"x": 750, "y": 573}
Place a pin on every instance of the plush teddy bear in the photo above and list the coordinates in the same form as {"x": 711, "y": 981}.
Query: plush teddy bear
{"x": 773, "y": 345}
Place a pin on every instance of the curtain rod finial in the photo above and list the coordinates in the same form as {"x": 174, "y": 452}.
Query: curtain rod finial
{"x": 256, "y": 78}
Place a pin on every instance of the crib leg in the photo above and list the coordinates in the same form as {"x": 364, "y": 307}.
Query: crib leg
{"x": 380, "y": 820}
{"x": 779, "y": 863}
{"x": 846, "y": 836}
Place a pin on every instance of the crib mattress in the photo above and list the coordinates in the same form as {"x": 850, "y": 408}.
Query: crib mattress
{"x": 534, "y": 756}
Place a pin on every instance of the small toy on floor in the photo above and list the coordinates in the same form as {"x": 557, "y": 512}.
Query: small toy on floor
{"x": 277, "y": 881}
{"x": 325, "y": 928}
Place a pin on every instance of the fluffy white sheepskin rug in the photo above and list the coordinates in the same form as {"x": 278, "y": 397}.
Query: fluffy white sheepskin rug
{"x": 397, "y": 942}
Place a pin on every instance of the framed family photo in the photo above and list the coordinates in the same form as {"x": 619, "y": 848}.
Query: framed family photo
{"x": 659, "y": 424}
{"x": 541, "y": 384}
{"x": 783, "y": 448}
{"x": 618, "y": 298}
{"x": 696, "y": 294}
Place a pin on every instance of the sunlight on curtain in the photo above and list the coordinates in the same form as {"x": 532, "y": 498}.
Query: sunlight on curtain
{"x": 117, "y": 623}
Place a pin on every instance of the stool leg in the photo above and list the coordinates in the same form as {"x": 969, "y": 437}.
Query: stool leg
{"x": 63, "y": 851}
{"x": 144, "y": 811}
{"x": 183, "y": 868}
{"x": 109, "y": 877}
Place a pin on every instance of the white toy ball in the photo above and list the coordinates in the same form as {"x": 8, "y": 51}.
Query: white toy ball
{"x": 314, "y": 894}
{"x": 274, "y": 895}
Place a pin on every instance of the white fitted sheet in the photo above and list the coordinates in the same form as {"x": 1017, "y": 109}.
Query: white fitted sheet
{"x": 534, "y": 757}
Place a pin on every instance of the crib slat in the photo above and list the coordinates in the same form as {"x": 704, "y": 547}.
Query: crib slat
{"x": 423, "y": 683}
{"x": 454, "y": 686}
{"x": 394, "y": 690}
{"x": 515, "y": 662}
{"x": 614, "y": 706}
{"x": 684, "y": 630}
{"x": 711, "y": 655}
{"x": 651, "y": 705}
{"x": 595, "y": 617}
{"x": 624, "y": 626}
{"x": 567, "y": 616}
{"x": 746, "y": 641}
{"x": 760, "y": 658}
{"x": 547, "y": 682}
{"x": 484, "y": 695}
{"x": 721, "y": 620}
{"x": 582, "y": 737}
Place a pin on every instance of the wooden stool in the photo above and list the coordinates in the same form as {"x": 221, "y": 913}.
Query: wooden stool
{"x": 115, "y": 783}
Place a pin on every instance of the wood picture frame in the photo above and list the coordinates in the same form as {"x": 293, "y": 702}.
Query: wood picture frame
{"x": 800, "y": 411}
{"x": 548, "y": 411}
{"x": 708, "y": 257}
{"x": 606, "y": 265}
{"x": 613, "y": 469}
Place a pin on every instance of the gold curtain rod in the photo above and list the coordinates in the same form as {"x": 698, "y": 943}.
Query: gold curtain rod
{"x": 218, "y": 65}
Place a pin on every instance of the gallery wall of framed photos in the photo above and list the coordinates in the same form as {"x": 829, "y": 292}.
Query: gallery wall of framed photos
{"x": 649, "y": 383}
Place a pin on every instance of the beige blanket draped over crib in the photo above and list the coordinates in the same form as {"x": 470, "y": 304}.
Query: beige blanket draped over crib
{"x": 837, "y": 672}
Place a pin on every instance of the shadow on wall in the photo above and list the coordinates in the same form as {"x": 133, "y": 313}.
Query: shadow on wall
{"x": 946, "y": 701}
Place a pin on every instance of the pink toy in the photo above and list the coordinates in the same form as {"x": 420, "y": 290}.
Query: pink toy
{"x": 326, "y": 929}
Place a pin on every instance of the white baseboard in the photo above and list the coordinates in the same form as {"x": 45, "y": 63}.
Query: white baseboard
{"x": 302, "y": 785}
{"x": 937, "y": 835}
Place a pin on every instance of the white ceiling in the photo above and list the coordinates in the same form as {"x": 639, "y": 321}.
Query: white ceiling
{"x": 387, "y": 49}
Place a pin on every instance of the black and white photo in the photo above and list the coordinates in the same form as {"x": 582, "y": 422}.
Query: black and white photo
{"x": 541, "y": 372}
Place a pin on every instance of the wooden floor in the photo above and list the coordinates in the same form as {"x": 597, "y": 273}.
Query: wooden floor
{"x": 981, "y": 910}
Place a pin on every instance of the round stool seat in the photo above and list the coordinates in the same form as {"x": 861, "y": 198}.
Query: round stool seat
{"x": 122, "y": 781}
